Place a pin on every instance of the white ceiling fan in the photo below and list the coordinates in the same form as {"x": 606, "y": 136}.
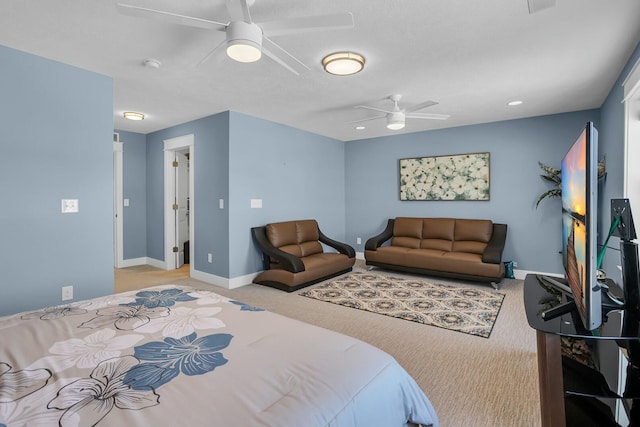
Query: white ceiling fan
{"x": 538, "y": 5}
{"x": 397, "y": 116}
{"x": 246, "y": 40}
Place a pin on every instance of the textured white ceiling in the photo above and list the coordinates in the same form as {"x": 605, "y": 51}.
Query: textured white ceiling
{"x": 472, "y": 56}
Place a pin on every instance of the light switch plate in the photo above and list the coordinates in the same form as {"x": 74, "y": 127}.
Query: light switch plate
{"x": 256, "y": 203}
{"x": 70, "y": 206}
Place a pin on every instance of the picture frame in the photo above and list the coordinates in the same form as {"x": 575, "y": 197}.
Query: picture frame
{"x": 450, "y": 177}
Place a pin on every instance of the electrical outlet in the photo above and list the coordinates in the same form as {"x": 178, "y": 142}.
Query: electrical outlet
{"x": 358, "y": 241}
{"x": 209, "y": 257}
{"x": 67, "y": 293}
{"x": 515, "y": 264}
{"x": 69, "y": 206}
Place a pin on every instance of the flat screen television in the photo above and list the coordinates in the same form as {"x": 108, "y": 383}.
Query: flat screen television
{"x": 579, "y": 171}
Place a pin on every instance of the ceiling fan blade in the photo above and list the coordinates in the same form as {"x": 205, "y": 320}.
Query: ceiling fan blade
{"x": 212, "y": 52}
{"x": 368, "y": 119}
{"x": 422, "y": 106}
{"x": 428, "y": 116}
{"x": 238, "y": 11}
{"x": 373, "y": 108}
{"x": 307, "y": 24}
{"x": 282, "y": 57}
{"x": 174, "y": 18}
{"x": 538, "y": 5}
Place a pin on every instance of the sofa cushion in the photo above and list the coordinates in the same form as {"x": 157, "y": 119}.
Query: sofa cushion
{"x": 476, "y": 230}
{"x": 437, "y": 233}
{"x": 407, "y": 232}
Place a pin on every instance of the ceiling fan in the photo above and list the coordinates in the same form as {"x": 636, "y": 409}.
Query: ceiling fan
{"x": 397, "y": 116}
{"x": 247, "y": 40}
{"x": 538, "y": 5}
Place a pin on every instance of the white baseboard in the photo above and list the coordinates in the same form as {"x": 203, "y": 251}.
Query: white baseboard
{"x": 521, "y": 274}
{"x": 132, "y": 262}
{"x": 223, "y": 282}
{"x": 360, "y": 255}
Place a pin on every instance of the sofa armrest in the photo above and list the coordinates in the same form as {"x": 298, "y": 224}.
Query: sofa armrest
{"x": 343, "y": 248}
{"x": 493, "y": 252}
{"x": 375, "y": 242}
{"x": 288, "y": 261}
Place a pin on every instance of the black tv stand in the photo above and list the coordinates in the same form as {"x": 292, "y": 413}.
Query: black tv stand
{"x": 609, "y": 301}
{"x": 567, "y": 395}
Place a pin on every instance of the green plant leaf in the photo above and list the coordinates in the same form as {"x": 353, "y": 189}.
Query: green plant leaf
{"x": 554, "y": 192}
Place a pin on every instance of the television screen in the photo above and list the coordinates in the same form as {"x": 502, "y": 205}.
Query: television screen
{"x": 579, "y": 225}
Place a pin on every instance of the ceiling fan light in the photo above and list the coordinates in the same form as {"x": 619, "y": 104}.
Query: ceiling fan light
{"x": 133, "y": 115}
{"x": 395, "y": 121}
{"x": 395, "y": 125}
{"x": 343, "y": 63}
{"x": 244, "y": 42}
{"x": 243, "y": 51}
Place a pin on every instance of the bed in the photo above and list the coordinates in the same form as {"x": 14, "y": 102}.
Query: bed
{"x": 176, "y": 355}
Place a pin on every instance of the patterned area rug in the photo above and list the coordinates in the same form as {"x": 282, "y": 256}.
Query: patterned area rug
{"x": 458, "y": 308}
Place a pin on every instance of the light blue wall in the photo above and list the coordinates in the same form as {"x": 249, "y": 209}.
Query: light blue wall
{"x": 56, "y": 125}
{"x": 515, "y": 148}
{"x": 237, "y": 158}
{"x": 296, "y": 174}
{"x": 611, "y": 137}
{"x": 134, "y": 183}
{"x": 211, "y": 182}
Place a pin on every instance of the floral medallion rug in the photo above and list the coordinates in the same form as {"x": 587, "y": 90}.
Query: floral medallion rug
{"x": 458, "y": 308}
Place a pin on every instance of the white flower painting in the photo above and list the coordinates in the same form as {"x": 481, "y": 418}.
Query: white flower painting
{"x": 454, "y": 177}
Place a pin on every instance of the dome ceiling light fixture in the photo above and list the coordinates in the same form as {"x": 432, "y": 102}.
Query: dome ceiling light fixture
{"x": 343, "y": 63}
{"x": 133, "y": 115}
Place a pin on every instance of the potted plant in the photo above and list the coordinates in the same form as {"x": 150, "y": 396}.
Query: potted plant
{"x": 554, "y": 176}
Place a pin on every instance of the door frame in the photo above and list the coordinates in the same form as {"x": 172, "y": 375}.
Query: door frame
{"x": 118, "y": 228}
{"x": 170, "y": 147}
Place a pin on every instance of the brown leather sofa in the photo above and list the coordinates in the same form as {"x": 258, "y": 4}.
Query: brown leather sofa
{"x": 469, "y": 249}
{"x": 293, "y": 256}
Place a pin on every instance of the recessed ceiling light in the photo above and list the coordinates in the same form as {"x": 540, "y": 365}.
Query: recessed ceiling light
{"x": 151, "y": 63}
{"x": 514, "y": 103}
{"x": 343, "y": 63}
{"x": 360, "y": 128}
{"x": 132, "y": 115}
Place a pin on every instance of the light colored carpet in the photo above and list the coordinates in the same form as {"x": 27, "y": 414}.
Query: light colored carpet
{"x": 471, "y": 381}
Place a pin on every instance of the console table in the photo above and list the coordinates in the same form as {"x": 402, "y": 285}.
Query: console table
{"x": 574, "y": 393}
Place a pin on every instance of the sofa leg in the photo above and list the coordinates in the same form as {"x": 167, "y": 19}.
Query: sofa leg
{"x": 495, "y": 285}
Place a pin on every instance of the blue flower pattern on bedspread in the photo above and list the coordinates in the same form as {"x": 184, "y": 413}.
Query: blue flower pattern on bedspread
{"x": 117, "y": 380}
{"x": 246, "y": 307}
{"x": 167, "y": 359}
{"x": 164, "y": 298}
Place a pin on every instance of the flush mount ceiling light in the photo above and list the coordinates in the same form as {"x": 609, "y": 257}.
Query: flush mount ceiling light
{"x": 514, "y": 103}
{"x": 244, "y": 42}
{"x": 343, "y": 63}
{"x": 132, "y": 115}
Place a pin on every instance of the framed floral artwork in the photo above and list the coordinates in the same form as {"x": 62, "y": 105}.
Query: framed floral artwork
{"x": 452, "y": 177}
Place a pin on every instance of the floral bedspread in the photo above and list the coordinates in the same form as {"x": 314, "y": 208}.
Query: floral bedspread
{"x": 174, "y": 355}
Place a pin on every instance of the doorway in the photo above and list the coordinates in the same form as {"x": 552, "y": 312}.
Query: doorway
{"x": 178, "y": 202}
